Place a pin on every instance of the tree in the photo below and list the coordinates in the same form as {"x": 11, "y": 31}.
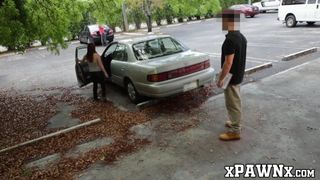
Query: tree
{"x": 108, "y": 12}
{"x": 12, "y": 25}
{"x": 226, "y": 4}
{"x": 136, "y": 16}
{"x": 50, "y": 21}
{"x": 193, "y": 8}
{"x": 147, "y": 8}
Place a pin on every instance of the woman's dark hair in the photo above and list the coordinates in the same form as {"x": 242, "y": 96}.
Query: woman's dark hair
{"x": 90, "y": 51}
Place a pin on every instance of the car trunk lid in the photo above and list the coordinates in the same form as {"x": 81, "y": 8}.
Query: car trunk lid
{"x": 176, "y": 65}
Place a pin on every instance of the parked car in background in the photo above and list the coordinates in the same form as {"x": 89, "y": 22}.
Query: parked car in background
{"x": 291, "y": 12}
{"x": 152, "y": 66}
{"x": 90, "y": 33}
{"x": 267, "y": 5}
{"x": 246, "y": 9}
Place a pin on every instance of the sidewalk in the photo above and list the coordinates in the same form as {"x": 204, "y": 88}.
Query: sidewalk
{"x": 281, "y": 125}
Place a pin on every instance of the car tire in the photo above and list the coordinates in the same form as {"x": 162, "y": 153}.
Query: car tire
{"x": 132, "y": 93}
{"x": 291, "y": 21}
{"x": 310, "y": 23}
{"x": 252, "y": 16}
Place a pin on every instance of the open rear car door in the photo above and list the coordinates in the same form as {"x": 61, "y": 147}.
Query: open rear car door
{"x": 82, "y": 69}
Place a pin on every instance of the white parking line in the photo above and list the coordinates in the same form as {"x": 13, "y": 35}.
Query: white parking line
{"x": 293, "y": 68}
{"x": 251, "y": 58}
{"x": 271, "y": 46}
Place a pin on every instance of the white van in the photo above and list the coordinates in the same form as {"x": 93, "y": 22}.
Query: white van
{"x": 293, "y": 11}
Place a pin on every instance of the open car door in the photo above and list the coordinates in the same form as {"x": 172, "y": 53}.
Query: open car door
{"x": 82, "y": 69}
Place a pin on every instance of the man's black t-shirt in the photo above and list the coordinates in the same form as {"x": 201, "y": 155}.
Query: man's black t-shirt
{"x": 235, "y": 43}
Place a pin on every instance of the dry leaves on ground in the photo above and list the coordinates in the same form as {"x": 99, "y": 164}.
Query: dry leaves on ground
{"x": 115, "y": 123}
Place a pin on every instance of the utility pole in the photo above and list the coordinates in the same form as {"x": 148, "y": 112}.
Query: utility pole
{"x": 124, "y": 15}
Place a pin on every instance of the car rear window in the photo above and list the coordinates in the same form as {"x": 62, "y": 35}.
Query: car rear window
{"x": 156, "y": 48}
{"x": 96, "y": 27}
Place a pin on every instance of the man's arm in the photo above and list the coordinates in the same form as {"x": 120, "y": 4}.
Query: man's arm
{"x": 226, "y": 68}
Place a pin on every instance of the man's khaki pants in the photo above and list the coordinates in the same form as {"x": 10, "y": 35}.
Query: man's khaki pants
{"x": 233, "y": 105}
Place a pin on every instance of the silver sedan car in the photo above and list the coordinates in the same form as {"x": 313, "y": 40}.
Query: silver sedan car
{"x": 153, "y": 66}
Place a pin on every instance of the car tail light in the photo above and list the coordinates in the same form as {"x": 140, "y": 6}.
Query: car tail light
{"x": 178, "y": 72}
{"x": 207, "y": 64}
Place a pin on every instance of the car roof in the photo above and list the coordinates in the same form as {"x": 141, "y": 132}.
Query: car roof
{"x": 135, "y": 40}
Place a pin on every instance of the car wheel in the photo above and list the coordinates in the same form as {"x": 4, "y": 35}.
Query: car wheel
{"x": 132, "y": 92}
{"x": 252, "y": 16}
{"x": 291, "y": 21}
{"x": 310, "y": 23}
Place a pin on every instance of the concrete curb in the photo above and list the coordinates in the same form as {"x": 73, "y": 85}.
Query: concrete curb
{"x": 39, "y": 48}
{"x": 258, "y": 68}
{"x": 174, "y": 24}
{"x": 147, "y": 103}
{"x": 299, "y": 54}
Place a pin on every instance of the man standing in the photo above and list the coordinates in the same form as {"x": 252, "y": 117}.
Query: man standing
{"x": 233, "y": 60}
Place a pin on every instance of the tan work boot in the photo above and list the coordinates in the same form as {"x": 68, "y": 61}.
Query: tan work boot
{"x": 229, "y": 136}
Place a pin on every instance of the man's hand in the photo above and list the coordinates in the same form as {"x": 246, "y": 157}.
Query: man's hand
{"x": 220, "y": 84}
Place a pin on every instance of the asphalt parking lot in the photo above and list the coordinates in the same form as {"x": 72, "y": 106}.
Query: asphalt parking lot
{"x": 268, "y": 39}
{"x": 268, "y": 42}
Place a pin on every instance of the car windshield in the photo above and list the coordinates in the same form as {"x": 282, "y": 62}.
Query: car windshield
{"x": 156, "y": 48}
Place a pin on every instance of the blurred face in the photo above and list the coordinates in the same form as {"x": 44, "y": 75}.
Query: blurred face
{"x": 230, "y": 24}
{"x": 227, "y": 25}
